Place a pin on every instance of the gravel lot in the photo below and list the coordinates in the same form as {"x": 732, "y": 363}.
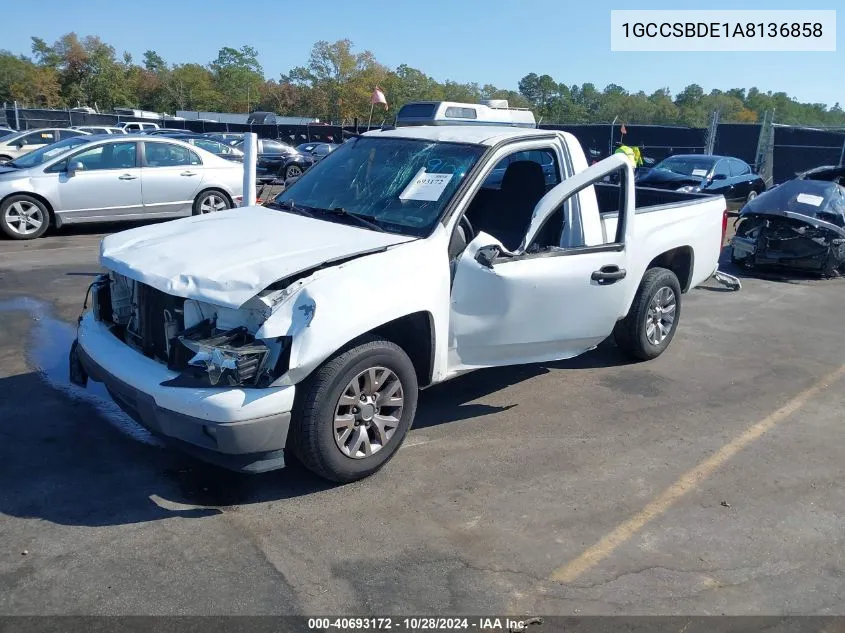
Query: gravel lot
{"x": 707, "y": 481}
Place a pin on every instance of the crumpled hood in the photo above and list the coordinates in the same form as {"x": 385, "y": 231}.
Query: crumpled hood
{"x": 227, "y": 258}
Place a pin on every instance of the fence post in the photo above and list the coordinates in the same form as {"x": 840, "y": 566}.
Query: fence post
{"x": 842, "y": 153}
{"x": 17, "y": 118}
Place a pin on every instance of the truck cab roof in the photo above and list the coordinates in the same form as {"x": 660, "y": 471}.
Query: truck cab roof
{"x": 472, "y": 134}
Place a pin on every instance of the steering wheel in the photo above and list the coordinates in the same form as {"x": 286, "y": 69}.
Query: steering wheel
{"x": 470, "y": 232}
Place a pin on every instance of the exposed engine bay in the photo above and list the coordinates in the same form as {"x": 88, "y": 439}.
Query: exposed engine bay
{"x": 769, "y": 240}
{"x": 208, "y": 345}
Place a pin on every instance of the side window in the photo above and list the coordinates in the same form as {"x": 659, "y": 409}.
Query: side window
{"x": 108, "y": 156}
{"x": 211, "y": 146}
{"x": 39, "y": 138}
{"x": 504, "y": 204}
{"x": 274, "y": 147}
{"x": 722, "y": 168}
{"x": 169, "y": 155}
{"x": 544, "y": 157}
{"x": 63, "y": 134}
{"x": 599, "y": 222}
{"x": 738, "y": 168}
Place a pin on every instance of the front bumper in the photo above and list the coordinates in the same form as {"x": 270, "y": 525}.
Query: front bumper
{"x": 241, "y": 429}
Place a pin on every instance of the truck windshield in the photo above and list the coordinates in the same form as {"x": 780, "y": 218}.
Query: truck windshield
{"x": 402, "y": 185}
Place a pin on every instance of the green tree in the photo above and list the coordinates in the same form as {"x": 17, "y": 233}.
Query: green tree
{"x": 238, "y": 77}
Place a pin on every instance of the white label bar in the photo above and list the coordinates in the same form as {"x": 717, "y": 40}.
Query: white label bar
{"x": 723, "y": 30}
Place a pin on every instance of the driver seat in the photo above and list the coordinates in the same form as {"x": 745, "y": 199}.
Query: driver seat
{"x": 523, "y": 185}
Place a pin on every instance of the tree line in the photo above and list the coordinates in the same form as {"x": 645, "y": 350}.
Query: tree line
{"x": 336, "y": 84}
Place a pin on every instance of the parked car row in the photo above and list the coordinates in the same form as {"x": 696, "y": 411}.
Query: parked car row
{"x": 104, "y": 177}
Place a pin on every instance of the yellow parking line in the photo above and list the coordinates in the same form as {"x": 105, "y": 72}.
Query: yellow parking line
{"x": 689, "y": 481}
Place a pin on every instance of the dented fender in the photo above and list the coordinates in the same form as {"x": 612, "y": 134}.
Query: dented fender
{"x": 325, "y": 311}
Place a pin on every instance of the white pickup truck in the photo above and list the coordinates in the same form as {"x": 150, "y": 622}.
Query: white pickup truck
{"x": 405, "y": 258}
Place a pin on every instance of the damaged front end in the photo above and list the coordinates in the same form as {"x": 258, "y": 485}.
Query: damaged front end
{"x": 762, "y": 240}
{"x": 798, "y": 225}
{"x": 210, "y": 346}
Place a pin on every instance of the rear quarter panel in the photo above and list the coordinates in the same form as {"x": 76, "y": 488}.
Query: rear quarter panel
{"x": 697, "y": 225}
{"x": 659, "y": 229}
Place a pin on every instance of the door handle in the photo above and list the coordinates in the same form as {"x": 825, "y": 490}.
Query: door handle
{"x": 127, "y": 177}
{"x": 607, "y": 275}
{"x": 188, "y": 173}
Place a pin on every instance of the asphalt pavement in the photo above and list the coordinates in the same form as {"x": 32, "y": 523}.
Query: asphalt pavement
{"x": 707, "y": 481}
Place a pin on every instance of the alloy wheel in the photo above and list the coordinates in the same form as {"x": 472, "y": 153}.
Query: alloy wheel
{"x": 661, "y": 315}
{"x": 24, "y": 218}
{"x": 368, "y": 412}
{"x": 213, "y": 202}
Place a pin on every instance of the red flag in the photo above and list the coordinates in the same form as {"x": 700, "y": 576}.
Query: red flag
{"x": 623, "y": 130}
{"x": 378, "y": 97}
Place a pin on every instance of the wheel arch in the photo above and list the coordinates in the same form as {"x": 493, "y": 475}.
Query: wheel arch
{"x": 414, "y": 333}
{"x": 53, "y": 219}
{"x": 679, "y": 260}
{"x": 218, "y": 189}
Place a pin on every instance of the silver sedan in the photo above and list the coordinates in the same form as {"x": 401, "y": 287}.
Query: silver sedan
{"x": 104, "y": 178}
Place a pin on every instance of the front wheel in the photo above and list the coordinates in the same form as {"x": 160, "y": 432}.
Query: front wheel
{"x": 24, "y": 217}
{"x": 354, "y": 412}
{"x": 653, "y": 318}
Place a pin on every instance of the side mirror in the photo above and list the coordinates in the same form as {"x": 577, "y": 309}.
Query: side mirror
{"x": 74, "y": 167}
{"x": 720, "y": 177}
{"x": 486, "y": 255}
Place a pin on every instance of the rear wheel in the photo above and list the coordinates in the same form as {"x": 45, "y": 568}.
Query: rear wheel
{"x": 751, "y": 195}
{"x": 4, "y": 159}
{"x": 211, "y": 201}
{"x": 653, "y": 318}
{"x": 354, "y": 412}
{"x": 23, "y": 217}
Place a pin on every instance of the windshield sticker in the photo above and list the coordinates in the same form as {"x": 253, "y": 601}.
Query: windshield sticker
{"x": 699, "y": 172}
{"x": 426, "y": 186}
{"x": 808, "y": 198}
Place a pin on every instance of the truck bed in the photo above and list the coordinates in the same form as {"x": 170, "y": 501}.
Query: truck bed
{"x": 607, "y": 196}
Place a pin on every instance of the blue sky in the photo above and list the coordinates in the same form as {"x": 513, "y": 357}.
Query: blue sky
{"x": 492, "y": 41}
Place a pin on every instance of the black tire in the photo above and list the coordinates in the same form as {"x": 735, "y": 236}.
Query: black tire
{"x": 751, "y": 195}
{"x": 312, "y": 434}
{"x": 206, "y": 198}
{"x": 630, "y": 332}
{"x": 42, "y": 210}
{"x": 4, "y": 159}
{"x": 293, "y": 171}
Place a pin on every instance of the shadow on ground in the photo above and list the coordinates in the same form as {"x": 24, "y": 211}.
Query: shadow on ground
{"x": 72, "y": 461}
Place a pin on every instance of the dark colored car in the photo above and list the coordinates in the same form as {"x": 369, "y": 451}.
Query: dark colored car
{"x": 168, "y": 131}
{"x": 229, "y": 138}
{"x": 317, "y": 150}
{"x": 218, "y": 148}
{"x": 277, "y": 161}
{"x": 723, "y": 175}
{"x": 799, "y": 224}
